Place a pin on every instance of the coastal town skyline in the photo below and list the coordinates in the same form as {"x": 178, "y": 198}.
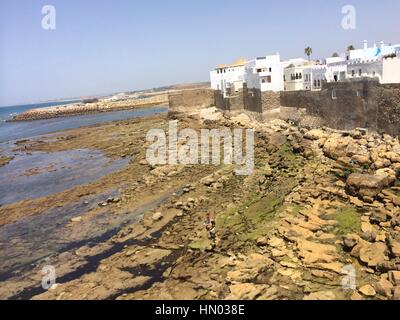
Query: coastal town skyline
{"x": 75, "y": 61}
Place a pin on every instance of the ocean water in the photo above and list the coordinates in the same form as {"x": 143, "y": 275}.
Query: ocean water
{"x": 8, "y": 112}
{"x": 25, "y": 129}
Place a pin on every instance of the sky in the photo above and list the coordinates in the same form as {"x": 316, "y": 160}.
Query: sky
{"x": 107, "y": 46}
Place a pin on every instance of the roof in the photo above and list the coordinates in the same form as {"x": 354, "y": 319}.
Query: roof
{"x": 238, "y": 63}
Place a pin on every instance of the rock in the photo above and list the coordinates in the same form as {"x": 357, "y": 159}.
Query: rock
{"x": 315, "y": 134}
{"x": 367, "y": 290}
{"x": 157, "y": 216}
{"x": 211, "y": 114}
{"x": 209, "y": 180}
{"x": 321, "y": 295}
{"x": 275, "y": 242}
{"x": 246, "y": 291}
{"x": 396, "y": 293}
{"x": 76, "y": 219}
{"x": 356, "y": 296}
{"x": 349, "y": 241}
{"x": 373, "y": 253}
{"x": 394, "y": 277}
{"x": 384, "y": 287}
{"x": 262, "y": 241}
{"x": 241, "y": 119}
{"x": 378, "y": 216}
{"x": 312, "y": 252}
{"x": 394, "y": 247}
{"x": 249, "y": 269}
{"x": 367, "y": 185}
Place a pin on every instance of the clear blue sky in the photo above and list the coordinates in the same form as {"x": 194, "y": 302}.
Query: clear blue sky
{"x": 105, "y": 46}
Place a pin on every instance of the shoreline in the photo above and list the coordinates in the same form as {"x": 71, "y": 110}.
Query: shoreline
{"x": 284, "y": 232}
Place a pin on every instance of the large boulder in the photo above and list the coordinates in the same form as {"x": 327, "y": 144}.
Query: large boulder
{"x": 368, "y": 185}
{"x": 337, "y": 146}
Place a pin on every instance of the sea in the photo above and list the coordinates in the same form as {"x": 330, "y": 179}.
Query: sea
{"x": 25, "y": 129}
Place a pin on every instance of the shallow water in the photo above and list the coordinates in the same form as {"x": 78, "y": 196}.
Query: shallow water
{"x": 31, "y": 239}
{"x": 40, "y": 174}
{"x": 18, "y": 130}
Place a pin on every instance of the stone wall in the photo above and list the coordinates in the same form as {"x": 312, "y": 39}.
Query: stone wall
{"x": 229, "y": 104}
{"x": 191, "y": 100}
{"x": 256, "y": 101}
{"x": 347, "y": 105}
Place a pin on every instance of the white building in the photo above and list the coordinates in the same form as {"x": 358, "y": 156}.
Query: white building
{"x": 336, "y": 69}
{"x": 228, "y": 78}
{"x": 385, "y": 69}
{"x": 265, "y": 73}
{"x": 313, "y": 77}
{"x": 371, "y": 62}
{"x": 294, "y": 74}
{"x": 376, "y": 51}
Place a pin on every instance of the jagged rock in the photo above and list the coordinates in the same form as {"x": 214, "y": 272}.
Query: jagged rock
{"x": 367, "y": 290}
{"x": 349, "y": 241}
{"x": 378, "y": 216}
{"x": 373, "y": 253}
{"x": 248, "y": 270}
{"x": 157, "y": 216}
{"x": 262, "y": 241}
{"x": 312, "y": 252}
{"x": 275, "y": 242}
{"x": 356, "y": 296}
{"x": 321, "y": 295}
{"x": 76, "y": 219}
{"x": 315, "y": 134}
{"x": 396, "y": 293}
{"x": 384, "y": 287}
{"x": 208, "y": 181}
{"x": 249, "y": 291}
{"x": 394, "y": 277}
{"x": 367, "y": 185}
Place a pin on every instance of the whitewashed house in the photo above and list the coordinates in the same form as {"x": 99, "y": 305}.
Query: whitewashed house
{"x": 385, "y": 69}
{"x": 228, "y": 79}
{"x": 336, "y": 68}
{"x": 313, "y": 77}
{"x": 265, "y": 73}
{"x": 294, "y": 74}
{"x": 376, "y": 51}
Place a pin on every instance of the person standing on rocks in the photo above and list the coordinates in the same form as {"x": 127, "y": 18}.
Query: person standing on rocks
{"x": 209, "y": 224}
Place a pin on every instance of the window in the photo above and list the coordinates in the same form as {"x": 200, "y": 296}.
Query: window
{"x": 353, "y": 73}
{"x": 270, "y": 69}
{"x": 360, "y": 72}
{"x": 297, "y": 76}
{"x": 269, "y": 79}
{"x": 315, "y": 83}
{"x": 300, "y": 75}
{"x": 259, "y": 70}
{"x": 284, "y": 78}
{"x": 319, "y": 83}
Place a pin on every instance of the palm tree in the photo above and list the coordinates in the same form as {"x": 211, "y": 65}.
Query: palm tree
{"x": 308, "y": 52}
{"x": 350, "y": 47}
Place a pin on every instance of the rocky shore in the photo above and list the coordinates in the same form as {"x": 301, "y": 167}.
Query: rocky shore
{"x": 319, "y": 219}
